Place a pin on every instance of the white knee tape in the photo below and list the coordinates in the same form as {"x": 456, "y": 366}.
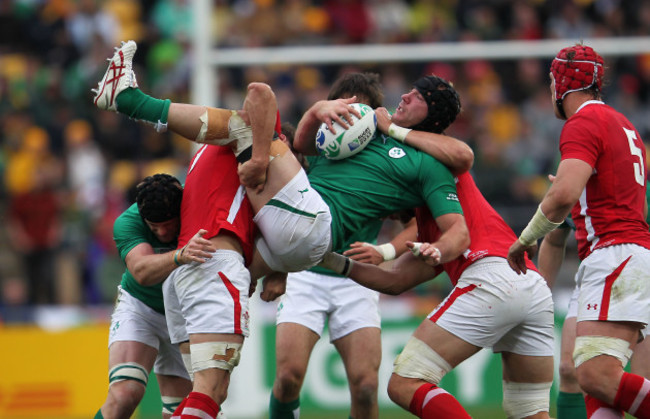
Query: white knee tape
{"x": 187, "y": 360}
{"x": 521, "y": 400}
{"x": 418, "y": 360}
{"x": 128, "y": 371}
{"x": 222, "y": 355}
{"x": 588, "y": 347}
{"x": 169, "y": 404}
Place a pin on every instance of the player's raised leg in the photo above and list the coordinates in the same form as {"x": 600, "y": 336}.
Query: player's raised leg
{"x": 118, "y": 91}
{"x": 269, "y": 169}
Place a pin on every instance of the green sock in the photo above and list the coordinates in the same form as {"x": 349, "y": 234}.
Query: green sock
{"x": 571, "y": 406}
{"x": 99, "y": 415}
{"x": 140, "y": 106}
{"x": 279, "y": 410}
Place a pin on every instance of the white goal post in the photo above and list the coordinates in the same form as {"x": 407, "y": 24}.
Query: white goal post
{"x": 207, "y": 58}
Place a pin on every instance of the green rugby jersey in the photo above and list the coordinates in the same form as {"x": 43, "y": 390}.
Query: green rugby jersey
{"x": 129, "y": 230}
{"x": 386, "y": 177}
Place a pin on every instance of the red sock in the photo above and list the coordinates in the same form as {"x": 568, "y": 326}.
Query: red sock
{"x": 430, "y": 401}
{"x": 198, "y": 405}
{"x": 601, "y": 410}
{"x": 633, "y": 395}
{"x": 179, "y": 409}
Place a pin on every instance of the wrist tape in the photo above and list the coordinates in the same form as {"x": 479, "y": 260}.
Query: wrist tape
{"x": 386, "y": 250}
{"x": 338, "y": 263}
{"x": 539, "y": 226}
{"x": 418, "y": 245}
{"x": 397, "y": 132}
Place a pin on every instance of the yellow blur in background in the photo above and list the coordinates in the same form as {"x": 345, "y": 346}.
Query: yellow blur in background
{"x": 52, "y": 374}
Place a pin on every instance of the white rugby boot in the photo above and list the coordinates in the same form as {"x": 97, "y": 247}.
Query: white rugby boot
{"x": 119, "y": 76}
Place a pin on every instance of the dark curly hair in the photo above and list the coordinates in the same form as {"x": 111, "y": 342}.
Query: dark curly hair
{"x": 365, "y": 86}
{"x": 159, "y": 198}
{"x": 443, "y": 102}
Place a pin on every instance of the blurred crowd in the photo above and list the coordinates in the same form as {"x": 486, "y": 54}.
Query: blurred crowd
{"x": 68, "y": 170}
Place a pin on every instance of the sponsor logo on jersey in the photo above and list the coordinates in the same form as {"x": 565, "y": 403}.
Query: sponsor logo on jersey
{"x": 396, "y": 153}
{"x": 476, "y": 254}
{"x": 452, "y": 197}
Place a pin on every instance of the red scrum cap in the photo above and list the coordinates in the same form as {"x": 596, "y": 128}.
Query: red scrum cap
{"x": 576, "y": 68}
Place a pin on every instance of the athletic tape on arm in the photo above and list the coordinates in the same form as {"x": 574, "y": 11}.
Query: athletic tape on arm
{"x": 539, "y": 226}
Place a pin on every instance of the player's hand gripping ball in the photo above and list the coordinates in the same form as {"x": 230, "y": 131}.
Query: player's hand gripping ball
{"x": 346, "y": 143}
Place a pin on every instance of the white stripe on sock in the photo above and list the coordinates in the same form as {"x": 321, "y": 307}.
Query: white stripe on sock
{"x": 642, "y": 394}
{"x": 431, "y": 394}
{"x": 196, "y": 412}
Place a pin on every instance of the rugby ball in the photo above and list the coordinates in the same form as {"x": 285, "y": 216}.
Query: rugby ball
{"x": 347, "y": 142}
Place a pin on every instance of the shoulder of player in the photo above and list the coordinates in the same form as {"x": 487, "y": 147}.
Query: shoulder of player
{"x": 129, "y": 224}
{"x": 129, "y": 215}
{"x": 592, "y": 110}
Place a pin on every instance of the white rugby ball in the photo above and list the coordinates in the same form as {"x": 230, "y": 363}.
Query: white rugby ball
{"x": 347, "y": 142}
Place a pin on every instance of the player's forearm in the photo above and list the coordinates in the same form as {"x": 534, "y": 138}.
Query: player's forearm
{"x": 153, "y": 269}
{"x": 551, "y": 254}
{"x": 409, "y": 233}
{"x": 304, "y": 141}
{"x": 453, "y": 153}
{"x": 378, "y": 279}
{"x": 570, "y": 181}
{"x": 261, "y": 107}
{"x": 549, "y": 261}
{"x": 454, "y": 240}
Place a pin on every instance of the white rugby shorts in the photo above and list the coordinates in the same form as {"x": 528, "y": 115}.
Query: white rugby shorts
{"x": 311, "y": 298}
{"x": 173, "y": 314}
{"x": 134, "y": 321}
{"x": 614, "y": 284}
{"x": 213, "y": 296}
{"x": 493, "y": 306}
{"x": 296, "y": 227}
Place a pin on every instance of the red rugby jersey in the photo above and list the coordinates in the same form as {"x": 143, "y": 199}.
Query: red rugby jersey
{"x": 214, "y": 199}
{"x": 610, "y": 209}
{"x": 489, "y": 233}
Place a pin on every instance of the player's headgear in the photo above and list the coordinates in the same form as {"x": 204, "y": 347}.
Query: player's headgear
{"x": 159, "y": 198}
{"x": 443, "y": 102}
{"x": 576, "y": 68}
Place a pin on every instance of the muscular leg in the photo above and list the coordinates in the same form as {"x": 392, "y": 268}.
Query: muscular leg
{"x": 528, "y": 370}
{"x": 124, "y": 396}
{"x": 293, "y": 345}
{"x": 361, "y": 354}
{"x": 568, "y": 379}
{"x": 640, "y": 363}
{"x": 213, "y": 382}
{"x": 570, "y": 400}
{"x": 409, "y": 392}
{"x": 174, "y": 387}
{"x": 609, "y": 388}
